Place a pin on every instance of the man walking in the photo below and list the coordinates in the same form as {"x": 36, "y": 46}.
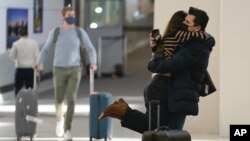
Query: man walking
{"x": 67, "y": 67}
{"x": 24, "y": 52}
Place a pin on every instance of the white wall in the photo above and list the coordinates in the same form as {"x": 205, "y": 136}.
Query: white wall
{"x": 234, "y": 64}
{"x": 3, "y": 12}
{"x": 2, "y": 29}
{"x": 51, "y": 18}
{"x": 208, "y": 119}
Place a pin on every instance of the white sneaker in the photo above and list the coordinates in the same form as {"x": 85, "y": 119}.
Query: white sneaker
{"x": 67, "y": 136}
{"x": 59, "y": 128}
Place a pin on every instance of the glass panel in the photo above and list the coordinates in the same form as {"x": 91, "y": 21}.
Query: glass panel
{"x": 138, "y": 23}
{"x": 139, "y": 13}
{"x": 104, "y": 13}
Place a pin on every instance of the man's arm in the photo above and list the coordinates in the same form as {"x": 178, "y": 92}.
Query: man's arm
{"x": 89, "y": 47}
{"x": 45, "y": 50}
{"x": 188, "y": 55}
{"x": 178, "y": 62}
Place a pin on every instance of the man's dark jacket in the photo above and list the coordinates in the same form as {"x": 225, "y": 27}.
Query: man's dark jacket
{"x": 187, "y": 66}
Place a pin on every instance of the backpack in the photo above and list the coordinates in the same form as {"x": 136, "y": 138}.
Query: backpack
{"x": 83, "y": 53}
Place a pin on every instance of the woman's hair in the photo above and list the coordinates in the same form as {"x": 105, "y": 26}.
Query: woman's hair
{"x": 176, "y": 22}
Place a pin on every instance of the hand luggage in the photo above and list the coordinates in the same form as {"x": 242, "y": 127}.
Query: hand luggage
{"x": 163, "y": 133}
{"x": 26, "y": 106}
{"x": 99, "y": 101}
{"x": 207, "y": 85}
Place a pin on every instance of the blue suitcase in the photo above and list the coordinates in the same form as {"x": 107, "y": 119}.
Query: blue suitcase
{"x": 99, "y": 101}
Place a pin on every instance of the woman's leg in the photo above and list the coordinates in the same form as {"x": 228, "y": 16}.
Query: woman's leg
{"x": 138, "y": 121}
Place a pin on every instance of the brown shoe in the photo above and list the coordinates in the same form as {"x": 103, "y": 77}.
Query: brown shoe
{"x": 115, "y": 110}
{"x": 121, "y": 100}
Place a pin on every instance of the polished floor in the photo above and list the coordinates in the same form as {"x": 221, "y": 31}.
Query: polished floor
{"x": 129, "y": 87}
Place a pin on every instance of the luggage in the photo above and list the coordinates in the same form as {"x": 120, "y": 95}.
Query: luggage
{"x": 26, "y": 106}
{"x": 99, "y": 101}
{"x": 163, "y": 133}
{"x": 207, "y": 85}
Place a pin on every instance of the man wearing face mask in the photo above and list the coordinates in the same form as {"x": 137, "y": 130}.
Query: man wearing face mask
{"x": 67, "y": 67}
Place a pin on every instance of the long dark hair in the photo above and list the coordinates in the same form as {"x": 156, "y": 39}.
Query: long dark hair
{"x": 176, "y": 22}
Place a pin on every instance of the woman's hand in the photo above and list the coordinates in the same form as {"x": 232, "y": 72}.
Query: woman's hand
{"x": 152, "y": 42}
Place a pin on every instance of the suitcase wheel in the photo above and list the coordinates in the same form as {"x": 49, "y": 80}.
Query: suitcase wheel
{"x": 18, "y": 138}
{"x": 31, "y": 138}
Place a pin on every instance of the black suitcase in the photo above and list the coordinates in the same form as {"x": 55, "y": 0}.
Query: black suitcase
{"x": 26, "y": 108}
{"x": 163, "y": 133}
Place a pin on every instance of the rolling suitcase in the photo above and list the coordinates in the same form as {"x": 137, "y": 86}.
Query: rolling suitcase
{"x": 163, "y": 133}
{"x": 26, "y": 107}
{"x": 99, "y": 101}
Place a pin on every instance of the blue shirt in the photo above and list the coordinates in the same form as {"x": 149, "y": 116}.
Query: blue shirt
{"x": 67, "y": 48}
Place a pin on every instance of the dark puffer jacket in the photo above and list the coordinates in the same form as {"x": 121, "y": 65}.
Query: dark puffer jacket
{"x": 188, "y": 67}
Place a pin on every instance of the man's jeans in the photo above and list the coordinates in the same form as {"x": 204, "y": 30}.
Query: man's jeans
{"x": 66, "y": 83}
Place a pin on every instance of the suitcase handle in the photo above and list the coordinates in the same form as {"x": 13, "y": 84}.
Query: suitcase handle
{"x": 91, "y": 81}
{"x": 36, "y": 79}
{"x": 162, "y": 128}
{"x": 154, "y": 102}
